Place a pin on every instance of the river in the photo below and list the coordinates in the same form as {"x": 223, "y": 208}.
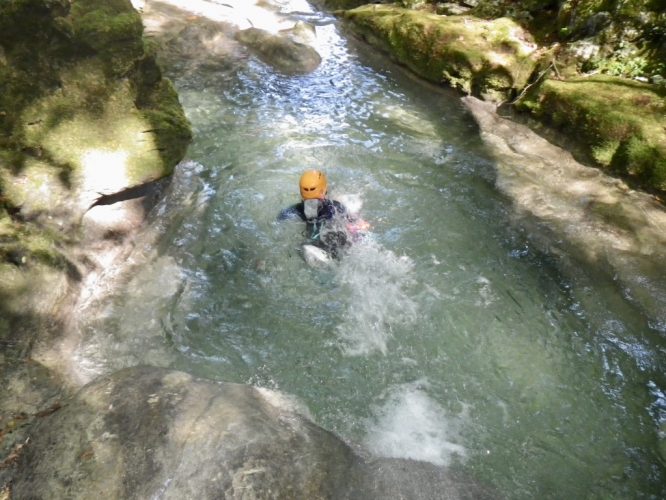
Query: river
{"x": 447, "y": 335}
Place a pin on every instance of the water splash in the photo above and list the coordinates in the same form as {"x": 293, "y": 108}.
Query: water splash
{"x": 411, "y": 425}
{"x": 376, "y": 282}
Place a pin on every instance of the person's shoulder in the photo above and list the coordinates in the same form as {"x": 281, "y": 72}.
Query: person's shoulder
{"x": 295, "y": 211}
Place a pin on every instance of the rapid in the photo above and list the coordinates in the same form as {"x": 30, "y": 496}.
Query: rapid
{"x": 448, "y": 335}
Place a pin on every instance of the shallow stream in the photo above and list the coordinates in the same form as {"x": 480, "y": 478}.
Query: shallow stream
{"x": 445, "y": 336}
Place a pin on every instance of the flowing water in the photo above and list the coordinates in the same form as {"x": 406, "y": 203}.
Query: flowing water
{"x": 445, "y": 336}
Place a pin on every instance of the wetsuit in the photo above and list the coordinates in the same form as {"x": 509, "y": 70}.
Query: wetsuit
{"x": 326, "y": 230}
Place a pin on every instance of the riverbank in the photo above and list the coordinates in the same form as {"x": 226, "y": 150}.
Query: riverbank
{"x": 90, "y": 132}
{"x": 561, "y": 74}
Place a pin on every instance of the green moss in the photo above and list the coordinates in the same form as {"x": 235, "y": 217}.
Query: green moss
{"x": 113, "y": 29}
{"x": 603, "y": 153}
{"x": 473, "y": 55}
{"x": 61, "y": 112}
{"x": 620, "y": 122}
{"x": 168, "y": 124}
{"x": 21, "y": 19}
{"x": 24, "y": 243}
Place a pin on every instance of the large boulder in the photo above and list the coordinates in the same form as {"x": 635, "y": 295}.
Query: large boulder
{"x": 148, "y": 432}
{"x": 85, "y": 111}
{"x": 491, "y": 59}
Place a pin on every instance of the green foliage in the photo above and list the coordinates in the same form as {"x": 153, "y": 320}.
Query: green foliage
{"x": 629, "y": 68}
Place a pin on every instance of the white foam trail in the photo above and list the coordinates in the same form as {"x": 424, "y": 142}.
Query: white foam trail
{"x": 411, "y": 425}
{"x": 374, "y": 281}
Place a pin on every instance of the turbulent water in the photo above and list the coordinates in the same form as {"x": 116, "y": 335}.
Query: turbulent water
{"x": 446, "y": 335}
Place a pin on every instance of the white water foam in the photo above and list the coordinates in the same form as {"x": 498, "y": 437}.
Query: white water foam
{"x": 411, "y": 425}
{"x": 374, "y": 281}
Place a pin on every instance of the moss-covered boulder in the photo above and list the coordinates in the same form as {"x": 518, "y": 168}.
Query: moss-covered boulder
{"x": 84, "y": 112}
{"x": 84, "y": 109}
{"x": 492, "y": 59}
{"x": 621, "y": 123}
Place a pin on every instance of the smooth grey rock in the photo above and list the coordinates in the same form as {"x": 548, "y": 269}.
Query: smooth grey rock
{"x": 155, "y": 433}
{"x": 281, "y": 52}
{"x": 149, "y": 432}
{"x": 593, "y": 217}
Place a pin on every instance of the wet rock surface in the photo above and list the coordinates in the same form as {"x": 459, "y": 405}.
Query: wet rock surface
{"x": 592, "y": 216}
{"x": 87, "y": 126}
{"x": 195, "y": 34}
{"x": 286, "y": 54}
{"x": 154, "y": 433}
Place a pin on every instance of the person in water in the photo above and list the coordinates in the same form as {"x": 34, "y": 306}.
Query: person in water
{"x": 328, "y": 225}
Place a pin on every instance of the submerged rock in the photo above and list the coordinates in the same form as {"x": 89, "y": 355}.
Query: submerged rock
{"x": 155, "y": 433}
{"x": 286, "y": 51}
{"x": 491, "y": 59}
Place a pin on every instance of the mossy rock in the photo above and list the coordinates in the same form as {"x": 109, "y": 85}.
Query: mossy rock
{"x": 620, "y": 122}
{"x": 86, "y": 112}
{"x": 490, "y": 59}
{"x": 112, "y": 29}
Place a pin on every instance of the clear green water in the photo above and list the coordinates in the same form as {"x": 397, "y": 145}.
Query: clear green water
{"x": 446, "y": 337}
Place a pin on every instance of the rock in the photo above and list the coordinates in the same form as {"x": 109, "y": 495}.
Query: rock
{"x": 340, "y": 4}
{"x": 148, "y": 432}
{"x": 491, "y": 59}
{"x": 301, "y": 32}
{"x": 86, "y": 110}
{"x": 84, "y": 113}
{"x": 285, "y": 52}
{"x": 597, "y": 22}
{"x": 451, "y": 9}
{"x": 593, "y": 218}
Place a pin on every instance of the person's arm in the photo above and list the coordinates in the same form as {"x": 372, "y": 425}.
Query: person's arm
{"x": 294, "y": 212}
{"x": 354, "y": 224}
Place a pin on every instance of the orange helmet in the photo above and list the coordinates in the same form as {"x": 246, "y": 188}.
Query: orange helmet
{"x": 313, "y": 185}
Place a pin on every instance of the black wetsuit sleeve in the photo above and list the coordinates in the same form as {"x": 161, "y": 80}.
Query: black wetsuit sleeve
{"x": 294, "y": 212}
